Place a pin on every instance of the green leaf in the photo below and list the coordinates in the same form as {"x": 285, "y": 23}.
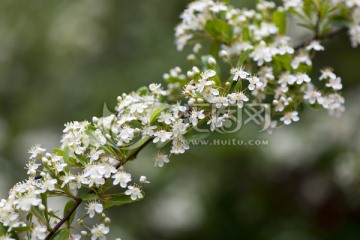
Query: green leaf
{"x": 246, "y": 34}
{"x": 58, "y": 151}
{"x": 39, "y": 214}
{"x": 279, "y": 18}
{"x": 83, "y": 160}
{"x": 284, "y": 61}
{"x": 3, "y": 230}
{"x": 143, "y": 91}
{"x": 44, "y": 202}
{"x": 67, "y": 208}
{"x": 219, "y": 30}
{"x": 155, "y": 113}
{"x": 89, "y": 196}
{"x": 22, "y": 229}
{"x": 66, "y": 154}
{"x": 242, "y": 58}
{"x": 14, "y": 235}
{"x": 214, "y": 49}
{"x": 62, "y": 234}
{"x": 119, "y": 199}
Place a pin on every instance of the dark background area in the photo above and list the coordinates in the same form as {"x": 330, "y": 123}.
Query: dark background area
{"x": 61, "y": 61}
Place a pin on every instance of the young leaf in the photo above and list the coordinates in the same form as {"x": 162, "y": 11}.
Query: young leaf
{"x": 89, "y": 196}
{"x": 62, "y": 234}
{"x": 242, "y": 58}
{"x": 143, "y": 91}
{"x": 67, "y": 208}
{"x": 219, "y": 30}
{"x": 279, "y": 18}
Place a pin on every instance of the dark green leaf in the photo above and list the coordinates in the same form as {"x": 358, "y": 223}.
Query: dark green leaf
{"x": 3, "y": 230}
{"x": 119, "y": 199}
{"x": 214, "y": 49}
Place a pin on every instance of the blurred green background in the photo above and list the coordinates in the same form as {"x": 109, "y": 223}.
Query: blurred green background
{"x": 62, "y": 60}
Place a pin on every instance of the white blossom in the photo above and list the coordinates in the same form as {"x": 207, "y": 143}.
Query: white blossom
{"x": 134, "y": 192}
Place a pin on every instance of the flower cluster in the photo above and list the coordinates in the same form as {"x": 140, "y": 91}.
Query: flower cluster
{"x": 262, "y": 65}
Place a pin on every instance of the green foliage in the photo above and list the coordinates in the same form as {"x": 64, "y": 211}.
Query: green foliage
{"x": 118, "y": 199}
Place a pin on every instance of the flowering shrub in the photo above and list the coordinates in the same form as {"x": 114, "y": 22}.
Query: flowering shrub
{"x": 239, "y": 55}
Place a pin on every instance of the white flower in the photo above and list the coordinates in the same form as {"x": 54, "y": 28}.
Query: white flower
{"x": 32, "y": 167}
{"x": 290, "y": 117}
{"x": 296, "y": 4}
{"x": 302, "y": 57}
{"x": 215, "y": 122}
{"x": 39, "y": 233}
{"x": 99, "y": 232}
{"x": 162, "y": 136}
{"x": 218, "y": 7}
{"x": 287, "y": 78}
{"x": 148, "y": 130}
{"x": 313, "y": 95}
{"x": 93, "y": 207}
{"x": 238, "y": 98}
{"x": 25, "y": 202}
{"x": 195, "y": 115}
{"x": 143, "y": 179}
{"x": 262, "y": 53}
{"x": 239, "y": 73}
{"x": 157, "y": 89}
{"x": 67, "y": 178}
{"x": 335, "y": 83}
{"x": 166, "y": 117}
{"x": 94, "y": 155}
{"x": 178, "y": 127}
{"x": 281, "y": 103}
{"x": 202, "y": 84}
{"x": 254, "y": 82}
{"x": 354, "y": 32}
{"x": 106, "y": 169}
{"x": 36, "y": 151}
{"x": 121, "y": 177}
{"x": 134, "y": 192}
{"x": 302, "y": 77}
{"x": 315, "y": 45}
{"x": 161, "y": 159}
{"x": 138, "y": 107}
{"x": 208, "y": 74}
{"x": 179, "y": 145}
{"x": 327, "y": 73}
{"x": 126, "y": 134}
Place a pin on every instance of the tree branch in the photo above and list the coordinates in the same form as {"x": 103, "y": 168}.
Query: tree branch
{"x": 133, "y": 155}
{"x": 329, "y": 35}
{"x": 79, "y": 200}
